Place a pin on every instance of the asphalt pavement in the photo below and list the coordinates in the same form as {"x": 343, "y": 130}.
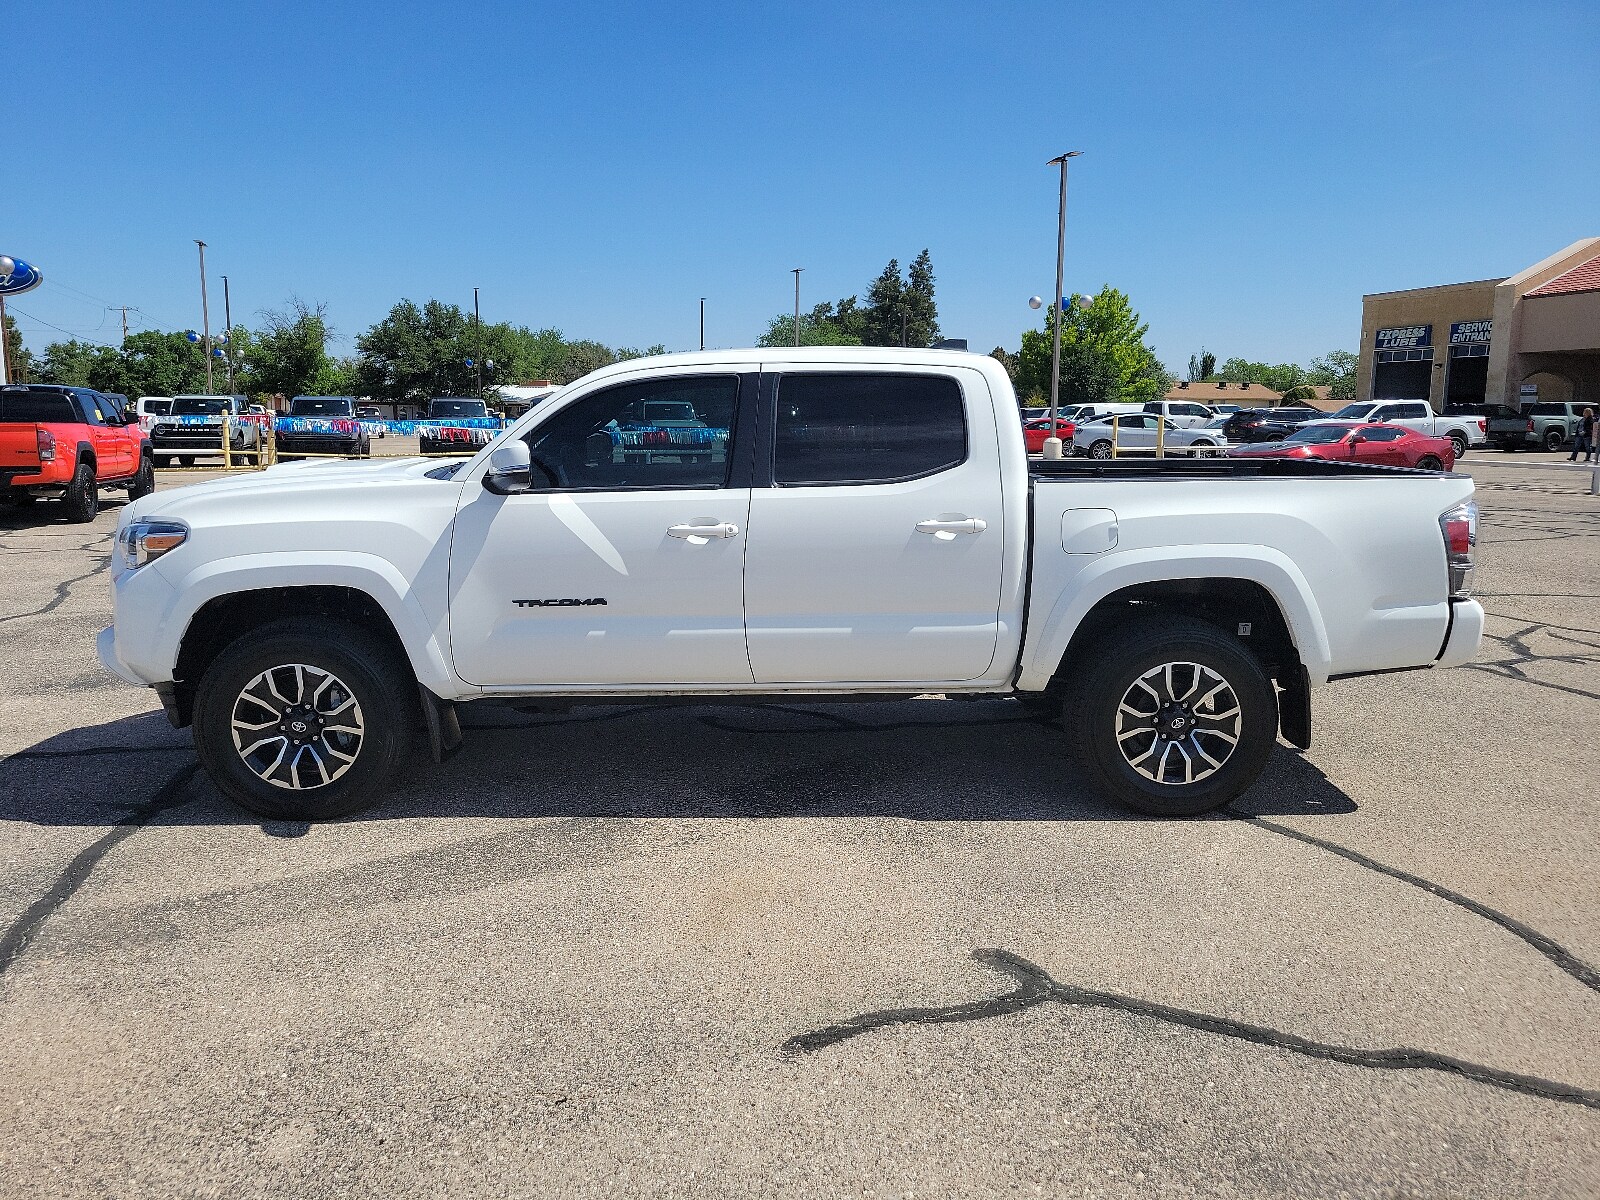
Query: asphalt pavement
{"x": 882, "y": 950}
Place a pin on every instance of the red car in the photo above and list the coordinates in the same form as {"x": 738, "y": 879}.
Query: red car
{"x": 1355, "y": 441}
{"x": 1036, "y": 431}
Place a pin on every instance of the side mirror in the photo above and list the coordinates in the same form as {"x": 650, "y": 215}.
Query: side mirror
{"x": 1357, "y": 438}
{"x": 510, "y": 469}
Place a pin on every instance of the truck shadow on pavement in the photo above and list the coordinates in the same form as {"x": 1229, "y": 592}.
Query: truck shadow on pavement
{"x": 921, "y": 761}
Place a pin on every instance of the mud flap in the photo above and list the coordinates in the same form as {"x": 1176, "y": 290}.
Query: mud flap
{"x": 444, "y": 730}
{"x": 1294, "y": 707}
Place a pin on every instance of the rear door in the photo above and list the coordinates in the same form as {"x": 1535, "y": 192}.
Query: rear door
{"x": 876, "y": 527}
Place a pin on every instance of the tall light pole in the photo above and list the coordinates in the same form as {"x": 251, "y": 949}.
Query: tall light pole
{"x": 797, "y": 271}
{"x": 702, "y": 322}
{"x": 477, "y": 342}
{"x": 205, "y": 314}
{"x": 1052, "y": 444}
{"x": 227, "y": 317}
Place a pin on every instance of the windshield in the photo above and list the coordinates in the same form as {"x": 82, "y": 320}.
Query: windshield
{"x": 1319, "y": 435}
{"x": 322, "y": 406}
{"x": 159, "y": 408}
{"x": 457, "y": 408}
{"x": 1352, "y": 412}
{"x": 194, "y": 406}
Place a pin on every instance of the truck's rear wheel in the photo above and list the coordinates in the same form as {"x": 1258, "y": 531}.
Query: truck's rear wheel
{"x": 1459, "y": 443}
{"x": 304, "y": 720}
{"x": 1555, "y": 439}
{"x": 1172, "y": 717}
{"x": 82, "y": 500}
{"x": 144, "y": 482}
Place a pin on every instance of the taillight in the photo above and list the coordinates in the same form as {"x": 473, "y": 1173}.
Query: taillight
{"x": 1530, "y": 424}
{"x": 1483, "y": 426}
{"x": 1460, "y": 529}
{"x": 46, "y": 442}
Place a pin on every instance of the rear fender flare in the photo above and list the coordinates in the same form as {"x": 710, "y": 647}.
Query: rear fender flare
{"x": 1270, "y": 568}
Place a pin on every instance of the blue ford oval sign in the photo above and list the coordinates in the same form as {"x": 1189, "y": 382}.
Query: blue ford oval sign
{"x": 17, "y": 276}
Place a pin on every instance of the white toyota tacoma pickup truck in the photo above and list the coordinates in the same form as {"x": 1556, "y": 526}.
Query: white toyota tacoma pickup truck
{"x": 830, "y": 523}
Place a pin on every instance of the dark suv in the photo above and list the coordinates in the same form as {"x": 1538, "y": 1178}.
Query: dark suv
{"x": 445, "y": 438}
{"x": 321, "y": 425}
{"x": 1268, "y": 424}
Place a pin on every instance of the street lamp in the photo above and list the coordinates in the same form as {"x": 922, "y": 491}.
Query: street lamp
{"x": 797, "y": 271}
{"x": 205, "y": 314}
{"x": 1052, "y": 444}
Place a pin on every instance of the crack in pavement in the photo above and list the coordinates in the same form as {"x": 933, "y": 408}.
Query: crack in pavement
{"x": 62, "y": 590}
{"x": 1553, "y": 950}
{"x": 22, "y": 931}
{"x": 1035, "y": 987}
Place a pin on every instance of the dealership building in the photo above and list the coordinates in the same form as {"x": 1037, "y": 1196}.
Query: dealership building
{"x": 1532, "y": 336}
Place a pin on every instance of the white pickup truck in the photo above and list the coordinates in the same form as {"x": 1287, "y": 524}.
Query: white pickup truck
{"x": 834, "y": 522}
{"x": 1464, "y": 431}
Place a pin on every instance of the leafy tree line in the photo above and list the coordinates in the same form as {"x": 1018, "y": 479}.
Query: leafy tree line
{"x": 899, "y": 311}
{"x": 412, "y": 354}
{"x": 1335, "y": 370}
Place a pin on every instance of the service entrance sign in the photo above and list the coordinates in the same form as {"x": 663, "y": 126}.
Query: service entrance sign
{"x": 1471, "y": 333}
{"x": 1404, "y": 337}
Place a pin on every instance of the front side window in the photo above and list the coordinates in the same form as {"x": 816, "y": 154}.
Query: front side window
{"x": 1318, "y": 435}
{"x": 868, "y": 428}
{"x": 1384, "y": 435}
{"x": 661, "y": 433}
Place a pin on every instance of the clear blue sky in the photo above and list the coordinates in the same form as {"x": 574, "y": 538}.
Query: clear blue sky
{"x": 1250, "y": 169}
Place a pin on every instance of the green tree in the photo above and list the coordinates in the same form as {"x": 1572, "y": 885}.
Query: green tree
{"x": 1202, "y": 366}
{"x": 18, "y": 357}
{"x": 885, "y": 308}
{"x": 922, "y": 314}
{"x": 1006, "y": 359}
{"x": 71, "y": 363}
{"x": 581, "y": 358}
{"x": 819, "y": 327}
{"x": 164, "y": 364}
{"x": 288, "y": 355}
{"x": 1335, "y": 370}
{"x": 415, "y": 353}
{"x": 1104, "y": 358}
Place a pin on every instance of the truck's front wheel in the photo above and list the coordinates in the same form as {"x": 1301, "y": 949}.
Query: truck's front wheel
{"x": 304, "y": 720}
{"x": 1172, "y": 717}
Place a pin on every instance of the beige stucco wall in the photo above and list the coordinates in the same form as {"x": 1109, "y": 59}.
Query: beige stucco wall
{"x": 1507, "y": 369}
{"x": 1437, "y": 306}
{"x": 1560, "y": 324}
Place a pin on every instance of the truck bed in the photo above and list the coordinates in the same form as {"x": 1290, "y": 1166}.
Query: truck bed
{"x": 1187, "y": 467}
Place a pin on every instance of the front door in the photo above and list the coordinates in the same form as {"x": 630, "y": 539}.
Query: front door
{"x": 876, "y": 553}
{"x": 625, "y": 563}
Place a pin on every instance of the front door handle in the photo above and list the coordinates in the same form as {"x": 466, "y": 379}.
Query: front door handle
{"x": 701, "y": 534}
{"x": 945, "y": 530}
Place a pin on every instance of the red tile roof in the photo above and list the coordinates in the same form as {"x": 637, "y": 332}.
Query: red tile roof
{"x": 1585, "y": 277}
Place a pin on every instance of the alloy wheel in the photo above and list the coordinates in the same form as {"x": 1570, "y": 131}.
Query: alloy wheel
{"x": 1178, "y": 723}
{"x": 297, "y": 726}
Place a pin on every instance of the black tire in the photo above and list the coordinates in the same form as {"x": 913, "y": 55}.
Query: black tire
{"x": 1554, "y": 439}
{"x": 142, "y": 484}
{"x": 1098, "y": 689}
{"x": 82, "y": 501}
{"x": 1459, "y": 441}
{"x": 383, "y": 690}
{"x": 1429, "y": 463}
{"x": 1100, "y": 450}
{"x": 186, "y": 460}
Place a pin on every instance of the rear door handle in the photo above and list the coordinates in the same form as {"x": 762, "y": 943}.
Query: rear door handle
{"x": 946, "y": 530}
{"x": 700, "y": 534}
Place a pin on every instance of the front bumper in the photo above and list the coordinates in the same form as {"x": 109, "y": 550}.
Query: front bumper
{"x": 105, "y": 645}
{"x": 289, "y": 443}
{"x": 1465, "y": 636}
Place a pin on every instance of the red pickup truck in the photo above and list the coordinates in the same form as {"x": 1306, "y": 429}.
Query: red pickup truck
{"x": 68, "y": 443}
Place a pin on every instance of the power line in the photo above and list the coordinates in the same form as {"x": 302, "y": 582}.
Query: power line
{"x": 58, "y": 329}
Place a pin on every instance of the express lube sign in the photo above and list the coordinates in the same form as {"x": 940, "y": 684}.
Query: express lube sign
{"x": 1405, "y": 337}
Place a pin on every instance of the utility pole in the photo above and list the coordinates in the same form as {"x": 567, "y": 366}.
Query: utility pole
{"x": 902, "y": 327}
{"x": 1052, "y": 444}
{"x": 124, "y": 324}
{"x": 205, "y": 314}
{"x": 227, "y": 315}
{"x": 702, "y": 322}
{"x": 797, "y": 271}
{"x": 477, "y": 342}
{"x": 5, "y": 345}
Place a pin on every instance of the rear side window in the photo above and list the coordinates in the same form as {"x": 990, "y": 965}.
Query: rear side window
{"x": 1547, "y": 410}
{"x": 43, "y": 407}
{"x": 871, "y": 428}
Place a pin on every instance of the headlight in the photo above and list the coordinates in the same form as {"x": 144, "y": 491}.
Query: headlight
{"x": 144, "y": 541}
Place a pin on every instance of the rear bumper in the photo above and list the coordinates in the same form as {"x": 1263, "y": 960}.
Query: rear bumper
{"x": 1465, "y": 636}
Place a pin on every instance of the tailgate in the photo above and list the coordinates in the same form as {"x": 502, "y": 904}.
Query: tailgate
{"x": 19, "y": 447}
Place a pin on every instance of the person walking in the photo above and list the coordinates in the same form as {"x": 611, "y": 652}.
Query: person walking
{"x": 1585, "y": 443}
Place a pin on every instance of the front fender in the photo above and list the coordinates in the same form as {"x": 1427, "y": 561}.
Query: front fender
{"x": 1079, "y": 593}
{"x": 421, "y": 633}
